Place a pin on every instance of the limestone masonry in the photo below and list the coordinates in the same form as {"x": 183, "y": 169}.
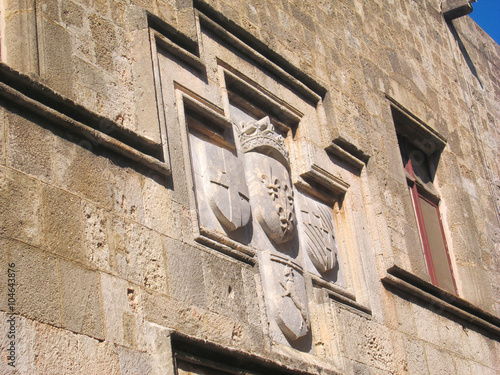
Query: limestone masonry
{"x": 215, "y": 187}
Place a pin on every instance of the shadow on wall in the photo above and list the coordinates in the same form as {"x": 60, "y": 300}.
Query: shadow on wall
{"x": 465, "y": 54}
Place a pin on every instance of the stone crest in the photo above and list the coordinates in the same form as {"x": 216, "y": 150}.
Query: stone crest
{"x": 318, "y": 237}
{"x": 268, "y": 179}
{"x": 226, "y": 189}
{"x": 290, "y": 305}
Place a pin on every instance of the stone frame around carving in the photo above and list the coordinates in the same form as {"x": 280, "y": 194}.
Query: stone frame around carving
{"x": 226, "y": 81}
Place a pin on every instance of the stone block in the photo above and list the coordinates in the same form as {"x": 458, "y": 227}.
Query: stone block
{"x": 251, "y": 286}
{"x": 169, "y": 312}
{"x": 82, "y": 172}
{"x": 19, "y": 50}
{"x": 224, "y": 286}
{"x": 185, "y": 272}
{"x": 55, "y": 51}
{"x": 160, "y": 211}
{"x": 37, "y": 279}
{"x": 145, "y": 98}
{"x": 104, "y": 57}
{"x": 139, "y": 254}
{"x": 126, "y": 187}
{"x": 122, "y": 320}
{"x": 72, "y": 14}
{"x": 30, "y": 146}
{"x": 24, "y": 345}
{"x": 159, "y": 348}
{"x": 439, "y": 361}
{"x": 103, "y": 31}
{"x": 427, "y": 322}
{"x": 95, "y": 239}
{"x": 462, "y": 366}
{"x": 404, "y": 316}
{"x": 20, "y": 200}
{"x": 61, "y": 218}
{"x": 81, "y": 300}
{"x": 415, "y": 355}
{"x": 133, "y": 362}
{"x": 61, "y": 352}
{"x": 3, "y": 124}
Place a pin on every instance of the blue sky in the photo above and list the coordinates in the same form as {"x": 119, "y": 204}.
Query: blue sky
{"x": 487, "y": 15}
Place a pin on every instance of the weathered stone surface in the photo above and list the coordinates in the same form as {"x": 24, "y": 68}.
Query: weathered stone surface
{"x": 185, "y": 273}
{"x": 95, "y": 237}
{"x": 22, "y": 195}
{"x": 158, "y": 341}
{"x": 224, "y": 287}
{"x": 3, "y": 121}
{"x": 37, "y": 282}
{"x": 59, "y": 351}
{"x": 108, "y": 250}
{"x": 121, "y": 312}
{"x": 30, "y": 147}
{"x": 81, "y": 309}
{"x": 55, "y": 53}
{"x": 61, "y": 218}
{"x": 80, "y": 172}
{"x": 139, "y": 254}
{"x": 134, "y": 362}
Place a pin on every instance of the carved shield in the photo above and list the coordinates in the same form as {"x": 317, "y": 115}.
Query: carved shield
{"x": 272, "y": 196}
{"x": 226, "y": 189}
{"x": 290, "y": 300}
{"x": 318, "y": 238}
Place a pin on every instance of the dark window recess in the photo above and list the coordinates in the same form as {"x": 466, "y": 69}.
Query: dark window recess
{"x": 420, "y": 172}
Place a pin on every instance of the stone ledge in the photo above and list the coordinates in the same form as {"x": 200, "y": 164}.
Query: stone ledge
{"x": 223, "y": 244}
{"x": 344, "y": 298}
{"x": 99, "y": 131}
{"x": 442, "y": 301}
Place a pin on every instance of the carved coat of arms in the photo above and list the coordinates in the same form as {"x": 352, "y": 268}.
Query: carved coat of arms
{"x": 273, "y": 206}
{"x": 224, "y": 185}
{"x": 269, "y": 180}
{"x": 318, "y": 237}
{"x": 227, "y": 191}
{"x": 291, "y": 311}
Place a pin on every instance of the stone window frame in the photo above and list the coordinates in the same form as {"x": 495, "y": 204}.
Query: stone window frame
{"x": 405, "y": 283}
{"x": 420, "y": 147}
{"x": 426, "y": 192}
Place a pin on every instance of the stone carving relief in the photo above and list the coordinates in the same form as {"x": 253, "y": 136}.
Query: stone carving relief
{"x": 226, "y": 189}
{"x": 273, "y": 206}
{"x": 318, "y": 237}
{"x": 290, "y": 306}
{"x": 268, "y": 179}
{"x": 250, "y": 187}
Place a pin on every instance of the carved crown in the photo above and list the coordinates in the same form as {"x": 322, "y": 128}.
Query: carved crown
{"x": 260, "y": 136}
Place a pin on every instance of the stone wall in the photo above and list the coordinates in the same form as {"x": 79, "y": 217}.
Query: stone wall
{"x": 207, "y": 187}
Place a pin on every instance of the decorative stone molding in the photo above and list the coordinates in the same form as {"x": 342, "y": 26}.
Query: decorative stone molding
{"x": 95, "y": 131}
